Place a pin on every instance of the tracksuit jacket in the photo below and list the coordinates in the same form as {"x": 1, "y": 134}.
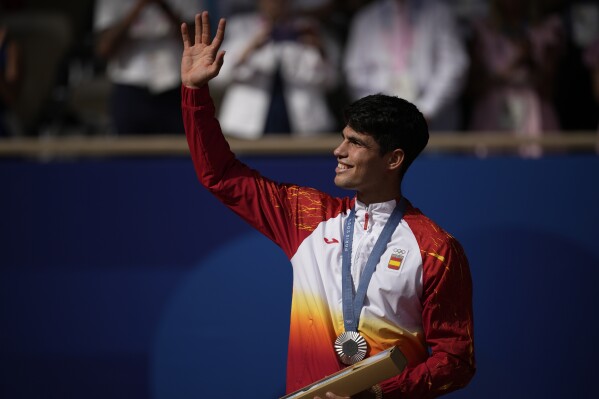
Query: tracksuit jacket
{"x": 419, "y": 298}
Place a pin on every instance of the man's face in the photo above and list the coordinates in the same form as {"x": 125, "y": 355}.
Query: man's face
{"x": 360, "y": 166}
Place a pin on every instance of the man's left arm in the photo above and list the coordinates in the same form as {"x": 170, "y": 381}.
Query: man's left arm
{"x": 448, "y": 327}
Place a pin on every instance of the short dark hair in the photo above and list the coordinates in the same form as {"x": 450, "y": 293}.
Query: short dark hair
{"x": 393, "y": 123}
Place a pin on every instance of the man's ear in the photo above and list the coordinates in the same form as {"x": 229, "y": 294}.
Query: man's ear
{"x": 396, "y": 158}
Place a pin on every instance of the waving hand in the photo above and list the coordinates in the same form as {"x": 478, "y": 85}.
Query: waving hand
{"x": 201, "y": 61}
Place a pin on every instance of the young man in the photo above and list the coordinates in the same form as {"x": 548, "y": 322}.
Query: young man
{"x": 369, "y": 272}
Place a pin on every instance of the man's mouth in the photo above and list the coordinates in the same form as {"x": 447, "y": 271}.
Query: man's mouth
{"x": 341, "y": 167}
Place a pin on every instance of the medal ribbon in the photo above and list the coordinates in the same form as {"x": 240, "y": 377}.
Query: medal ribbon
{"x": 352, "y": 306}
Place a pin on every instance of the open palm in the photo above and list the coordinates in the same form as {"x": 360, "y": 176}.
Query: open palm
{"x": 202, "y": 60}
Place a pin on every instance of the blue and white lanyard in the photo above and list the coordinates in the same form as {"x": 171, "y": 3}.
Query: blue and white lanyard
{"x": 352, "y": 306}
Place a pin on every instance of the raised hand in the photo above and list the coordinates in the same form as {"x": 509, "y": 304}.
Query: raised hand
{"x": 201, "y": 61}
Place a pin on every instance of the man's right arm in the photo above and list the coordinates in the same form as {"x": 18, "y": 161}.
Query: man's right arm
{"x": 201, "y": 62}
{"x": 284, "y": 213}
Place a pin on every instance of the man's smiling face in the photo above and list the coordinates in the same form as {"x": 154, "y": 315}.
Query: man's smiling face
{"x": 360, "y": 165}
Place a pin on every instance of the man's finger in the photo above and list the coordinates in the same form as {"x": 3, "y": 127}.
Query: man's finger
{"x": 220, "y": 33}
{"x": 205, "y": 28}
{"x": 185, "y": 35}
{"x": 198, "y": 22}
{"x": 220, "y": 58}
{"x": 217, "y": 64}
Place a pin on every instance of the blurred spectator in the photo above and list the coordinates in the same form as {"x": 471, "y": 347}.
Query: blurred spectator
{"x": 335, "y": 15}
{"x": 581, "y": 21}
{"x": 228, "y": 8}
{"x": 591, "y": 58}
{"x": 38, "y": 65}
{"x": 141, "y": 41}
{"x": 514, "y": 65}
{"x": 10, "y": 78}
{"x": 411, "y": 49}
{"x": 278, "y": 73}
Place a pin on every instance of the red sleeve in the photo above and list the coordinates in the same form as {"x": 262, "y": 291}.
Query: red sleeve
{"x": 447, "y": 322}
{"x": 285, "y": 213}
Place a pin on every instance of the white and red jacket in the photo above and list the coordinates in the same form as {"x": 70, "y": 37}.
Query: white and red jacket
{"x": 419, "y": 298}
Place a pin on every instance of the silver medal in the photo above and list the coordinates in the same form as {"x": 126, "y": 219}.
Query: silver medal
{"x": 350, "y": 347}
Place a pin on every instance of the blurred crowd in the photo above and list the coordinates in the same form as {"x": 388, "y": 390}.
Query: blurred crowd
{"x": 521, "y": 67}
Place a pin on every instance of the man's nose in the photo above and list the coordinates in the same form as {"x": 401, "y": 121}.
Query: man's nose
{"x": 340, "y": 150}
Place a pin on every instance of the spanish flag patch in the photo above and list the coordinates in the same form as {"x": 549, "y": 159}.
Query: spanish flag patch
{"x": 396, "y": 259}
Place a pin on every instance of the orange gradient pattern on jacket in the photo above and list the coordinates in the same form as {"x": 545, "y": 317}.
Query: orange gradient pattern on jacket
{"x": 314, "y": 329}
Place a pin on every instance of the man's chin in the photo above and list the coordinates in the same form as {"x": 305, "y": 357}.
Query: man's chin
{"x": 341, "y": 183}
